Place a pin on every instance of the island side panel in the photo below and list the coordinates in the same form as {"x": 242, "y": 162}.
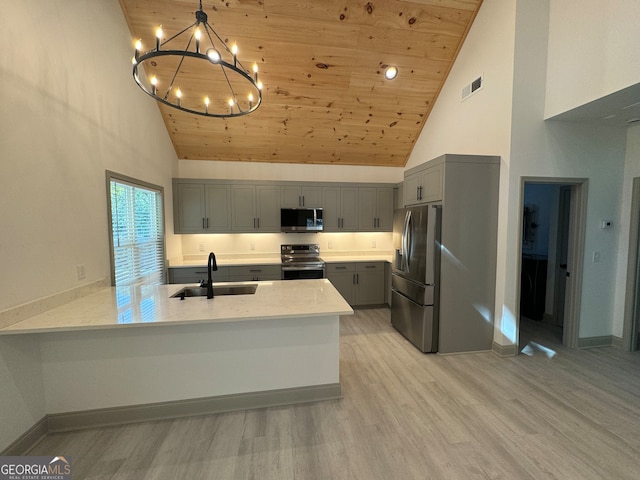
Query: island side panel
{"x": 86, "y": 370}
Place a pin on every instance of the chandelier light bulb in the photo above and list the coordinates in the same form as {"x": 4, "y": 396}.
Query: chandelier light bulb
{"x": 138, "y": 47}
{"x": 250, "y": 97}
{"x": 213, "y": 55}
{"x": 154, "y": 84}
{"x": 259, "y": 85}
{"x": 255, "y": 72}
{"x": 158, "y": 37}
{"x": 198, "y": 35}
{"x": 179, "y": 95}
{"x": 234, "y": 51}
{"x": 206, "y": 104}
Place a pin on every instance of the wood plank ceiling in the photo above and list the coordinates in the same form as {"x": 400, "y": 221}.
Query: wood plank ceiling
{"x": 325, "y": 100}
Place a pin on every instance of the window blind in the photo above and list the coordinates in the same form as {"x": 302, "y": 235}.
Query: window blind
{"x": 138, "y": 234}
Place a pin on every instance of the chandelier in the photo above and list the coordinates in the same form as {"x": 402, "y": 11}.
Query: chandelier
{"x": 224, "y": 88}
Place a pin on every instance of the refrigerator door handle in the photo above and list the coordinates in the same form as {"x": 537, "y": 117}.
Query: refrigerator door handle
{"x": 406, "y": 242}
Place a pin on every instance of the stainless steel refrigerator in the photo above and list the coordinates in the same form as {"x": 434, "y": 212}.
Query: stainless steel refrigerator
{"x": 416, "y": 274}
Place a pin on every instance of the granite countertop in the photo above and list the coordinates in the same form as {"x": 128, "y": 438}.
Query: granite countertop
{"x": 230, "y": 261}
{"x": 142, "y": 306}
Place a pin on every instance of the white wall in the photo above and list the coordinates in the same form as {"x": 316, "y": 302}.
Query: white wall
{"x": 371, "y": 243}
{"x": 593, "y": 51}
{"x": 553, "y": 149}
{"x": 287, "y": 171}
{"x": 508, "y": 44}
{"x": 70, "y": 111}
{"x": 481, "y": 124}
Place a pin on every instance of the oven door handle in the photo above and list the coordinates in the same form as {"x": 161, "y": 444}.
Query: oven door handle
{"x": 293, "y": 269}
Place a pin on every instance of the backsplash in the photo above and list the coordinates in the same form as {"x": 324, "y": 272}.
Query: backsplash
{"x": 269, "y": 243}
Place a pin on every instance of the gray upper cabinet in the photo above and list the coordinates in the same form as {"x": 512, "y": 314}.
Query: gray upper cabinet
{"x": 201, "y": 208}
{"x": 340, "y": 209}
{"x": 424, "y": 184}
{"x": 294, "y": 196}
{"x": 238, "y": 206}
{"x": 255, "y": 208}
{"x": 375, "y": 209}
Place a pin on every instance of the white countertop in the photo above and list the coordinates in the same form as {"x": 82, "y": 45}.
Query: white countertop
{"x": 126, "y": 307}
{"x": 227, "y": 261}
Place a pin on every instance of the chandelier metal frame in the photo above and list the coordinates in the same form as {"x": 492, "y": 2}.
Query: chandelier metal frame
{"x": 213, "y": 56}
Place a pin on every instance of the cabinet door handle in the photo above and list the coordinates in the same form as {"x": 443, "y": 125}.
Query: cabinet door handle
{"x": 303, "y": 200}
{"x": 341, "y": 268}
{"x": 207, "y": 223}
{"x": 203, "y": 223}
{"x": 370, "y": 266}
{"x": 258, "y": 270}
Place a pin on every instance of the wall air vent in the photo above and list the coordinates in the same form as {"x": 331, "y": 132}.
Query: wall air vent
{"x": 472, "y": 88}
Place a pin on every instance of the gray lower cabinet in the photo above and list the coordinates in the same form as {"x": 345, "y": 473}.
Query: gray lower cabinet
{"x": 196, "y": 274}
{"x": 360, "y": 283}
{"x": 254, "y": 273}
{"x": 232, "y": 273}
{"x": 255, "y": 208}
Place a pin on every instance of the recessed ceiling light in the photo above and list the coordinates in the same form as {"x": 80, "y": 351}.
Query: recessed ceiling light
{"x": 391, "y": 72}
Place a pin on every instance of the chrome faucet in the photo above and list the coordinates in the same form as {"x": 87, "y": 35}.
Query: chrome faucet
{"x": 212, "y": 266}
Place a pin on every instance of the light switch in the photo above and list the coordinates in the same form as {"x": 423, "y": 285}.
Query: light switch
{"x": 596, "y": 256}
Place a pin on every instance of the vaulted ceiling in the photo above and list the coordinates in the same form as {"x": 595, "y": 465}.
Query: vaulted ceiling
{"x": 325, "y": 99}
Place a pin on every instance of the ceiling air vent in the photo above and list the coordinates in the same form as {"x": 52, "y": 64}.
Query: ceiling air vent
{"x": 472, "y": 88}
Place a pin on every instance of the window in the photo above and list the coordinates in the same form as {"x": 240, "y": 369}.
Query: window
{"x": 136, "y": 231}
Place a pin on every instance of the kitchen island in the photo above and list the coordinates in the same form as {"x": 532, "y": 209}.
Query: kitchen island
{"x": 134, "y": 353}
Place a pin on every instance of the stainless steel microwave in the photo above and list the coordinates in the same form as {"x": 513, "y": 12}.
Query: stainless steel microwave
{"x": 301, "y": 219}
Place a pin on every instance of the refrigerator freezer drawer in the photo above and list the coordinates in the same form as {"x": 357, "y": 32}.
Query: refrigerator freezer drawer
{"x": 419, "y": 293}
{"x": 416, "y": 322}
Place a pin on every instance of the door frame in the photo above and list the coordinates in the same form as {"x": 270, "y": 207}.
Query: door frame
{"x": 633, "y": 270}
{"x": 575, "y": 260}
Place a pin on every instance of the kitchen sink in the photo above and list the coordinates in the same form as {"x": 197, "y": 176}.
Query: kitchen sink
{"x": 244, "y": 289}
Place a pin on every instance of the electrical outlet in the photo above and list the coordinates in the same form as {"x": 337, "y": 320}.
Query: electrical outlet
{"x": 82, "y": 274}
{"x": 373, "y": 244}
{"x": 330, "y": 244}
{"x": 252, "y": 246}
{"x": 201, "y": 246}
{"x": 596, "y": 256}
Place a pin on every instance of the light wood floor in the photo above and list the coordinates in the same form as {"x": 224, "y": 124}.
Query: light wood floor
{"x": 404, "y": 415}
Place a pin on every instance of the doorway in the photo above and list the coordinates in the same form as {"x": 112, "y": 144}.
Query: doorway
{"x": 552, "y": 238}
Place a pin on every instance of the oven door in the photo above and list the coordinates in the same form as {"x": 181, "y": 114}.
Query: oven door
{"x": 301, "y": 272}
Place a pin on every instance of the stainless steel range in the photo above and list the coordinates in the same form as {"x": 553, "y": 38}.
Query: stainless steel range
{"x": 301, "y": 262}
